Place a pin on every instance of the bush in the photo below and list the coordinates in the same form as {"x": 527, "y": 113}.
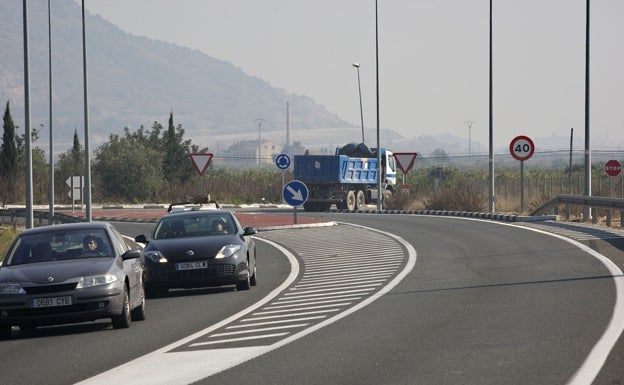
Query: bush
{"x": 457, "y": 198}
{"x": 7, "y": 235}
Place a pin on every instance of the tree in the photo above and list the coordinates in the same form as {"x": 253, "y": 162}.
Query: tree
{"x": 176, "y": 167}
{"x": 128, "y": 168}
{"x": 70, "y": 163}
{"x": 8, "y": 157}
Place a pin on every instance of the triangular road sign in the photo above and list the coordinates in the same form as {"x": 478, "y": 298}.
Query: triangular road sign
{"x": 201, "y": 162}
{"x": 405, "y": 160}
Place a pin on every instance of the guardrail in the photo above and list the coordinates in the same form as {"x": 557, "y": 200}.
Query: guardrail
{"x": 17, "y": 216}
{"x": 592, "y": 203}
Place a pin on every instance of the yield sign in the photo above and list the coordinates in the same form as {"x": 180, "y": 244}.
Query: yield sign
{"x": 201, "y": 162}
{"x": 405, "y": 160}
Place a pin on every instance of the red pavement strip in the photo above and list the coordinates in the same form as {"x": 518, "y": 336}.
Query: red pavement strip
{"x": 151, "y": 215}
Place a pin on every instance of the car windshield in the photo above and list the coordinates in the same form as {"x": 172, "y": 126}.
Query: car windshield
{"x": 199, "y": 225}
{"x": 59, "y": 245}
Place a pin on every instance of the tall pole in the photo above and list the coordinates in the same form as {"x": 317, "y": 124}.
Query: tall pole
{"x": 87, "y": 186}
{"x": 380, "y": 171}
{"x": 27, "y": 129}
{"x": 51, "y": 211}
{"x": 357, "y": 66}
{"x": 259, "y": 141}
{"x": 586, "y": 214}
{"x": 469, "y": 123}
{"x": 491, "y": 135}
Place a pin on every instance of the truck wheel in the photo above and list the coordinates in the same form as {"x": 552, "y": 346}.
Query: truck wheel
{"x": 350, "y": 201}
{"x": 360, "y": 200}
{"x": 308, "y": 206}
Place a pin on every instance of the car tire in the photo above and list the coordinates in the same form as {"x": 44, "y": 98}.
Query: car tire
{"x": 123, "y": 320}
{"x": 244, "y": 284}
{"x": 252, "y": 280}
{"x": 6, "y": 331}
{"x": 139, "y": 313}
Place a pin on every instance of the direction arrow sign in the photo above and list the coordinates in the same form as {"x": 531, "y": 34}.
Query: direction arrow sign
{"x": 201, "y": 162}
{"x": 405, "y": 160}
{"x": 295, "y": 193}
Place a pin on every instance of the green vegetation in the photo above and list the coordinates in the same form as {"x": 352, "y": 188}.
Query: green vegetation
{"x": 153, "y": 166}
{"x": 7, "y": 235}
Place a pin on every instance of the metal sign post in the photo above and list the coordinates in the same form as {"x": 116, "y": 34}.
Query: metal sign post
{"x": 295, "y": 193}
{"x": 521, "y": 148}
{"x": 201, "y": 161}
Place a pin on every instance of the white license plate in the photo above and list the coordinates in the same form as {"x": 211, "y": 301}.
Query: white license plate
{"x": 192, "y": 265}
{"x": 50, "y": 302}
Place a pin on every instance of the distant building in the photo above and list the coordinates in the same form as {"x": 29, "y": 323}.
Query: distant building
{"x": 247, "y": 152}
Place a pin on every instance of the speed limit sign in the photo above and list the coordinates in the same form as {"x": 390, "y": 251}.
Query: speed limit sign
{"x": 521, "y": 147}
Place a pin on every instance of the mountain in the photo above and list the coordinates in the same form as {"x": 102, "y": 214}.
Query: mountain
{"x": 134, "y": 81}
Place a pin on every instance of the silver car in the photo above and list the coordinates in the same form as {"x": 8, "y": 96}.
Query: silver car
{"x": 70, "y": 273}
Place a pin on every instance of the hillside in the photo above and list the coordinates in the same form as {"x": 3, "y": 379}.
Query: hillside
{"x": 134, "y": 81}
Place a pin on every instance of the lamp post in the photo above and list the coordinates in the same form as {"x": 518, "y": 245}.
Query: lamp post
{"x": 259, "y": 141}
{"x": 357, "y": 66}
{"x": 469, "y": 123}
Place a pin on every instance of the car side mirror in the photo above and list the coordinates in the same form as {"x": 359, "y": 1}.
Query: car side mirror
{"x": 131, "y": 254}
{"x": 250, "y": 230}
{"x": 141, "y": 239}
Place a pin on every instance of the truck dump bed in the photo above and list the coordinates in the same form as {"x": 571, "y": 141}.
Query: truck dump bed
{"x": 335, "y": 169}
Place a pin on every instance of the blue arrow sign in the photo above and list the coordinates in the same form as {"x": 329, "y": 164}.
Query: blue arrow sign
{"x": 282, "y": 161}
{"x": 295, "y": 193}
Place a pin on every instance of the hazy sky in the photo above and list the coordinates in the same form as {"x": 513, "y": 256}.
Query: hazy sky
{"x": 433, "y": 58}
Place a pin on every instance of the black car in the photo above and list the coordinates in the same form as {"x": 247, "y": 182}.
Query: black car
{"x": 70, "y": 273}
{"x": 195, "y": 248}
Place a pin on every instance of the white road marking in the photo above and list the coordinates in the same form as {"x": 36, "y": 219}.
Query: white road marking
{"x": 186, "y": 367}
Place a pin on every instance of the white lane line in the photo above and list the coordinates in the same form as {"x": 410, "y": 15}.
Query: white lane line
{"x": 240, "y": 332}
{"x": 596, "y": 359}
{"x": 589, "y": 369}
{"x": 274, "y": 322}
{"x": 230, "y": 340}
{"x": 167, "y": 367}
{"x": 164, "y": 367}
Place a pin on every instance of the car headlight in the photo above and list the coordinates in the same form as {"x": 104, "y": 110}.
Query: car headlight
{"x": 96, "y": 280}
{"x": 11, "y": 288}
{"x": 155, "y": 256}
{"x": 227, "y": 251}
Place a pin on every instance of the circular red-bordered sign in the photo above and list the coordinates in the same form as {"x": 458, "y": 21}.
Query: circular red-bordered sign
{"x": 613, "y": 168}
{"x": 522, "y": 147}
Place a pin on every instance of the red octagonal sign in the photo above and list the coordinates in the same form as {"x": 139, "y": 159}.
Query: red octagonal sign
{"x": 613, "y": 168}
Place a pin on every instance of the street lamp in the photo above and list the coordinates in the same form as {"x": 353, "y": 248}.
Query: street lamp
{"x": 259, "y": 141}
{"x": 357, "y": 66}
{"x": 469, "y": 123}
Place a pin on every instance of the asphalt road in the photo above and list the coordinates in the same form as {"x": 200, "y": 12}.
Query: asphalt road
{"x": 484, "y": 303}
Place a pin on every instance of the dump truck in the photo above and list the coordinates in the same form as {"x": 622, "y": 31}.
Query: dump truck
{"x": 347, "y": 179}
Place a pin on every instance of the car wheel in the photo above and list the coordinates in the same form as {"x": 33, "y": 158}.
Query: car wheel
{"x": 244, "y": 285}
{"x": 123, "y": 320}
{"x": 5, "y": 331}
{"x": 252, "y": 280}
{"x": 139, "y": 313}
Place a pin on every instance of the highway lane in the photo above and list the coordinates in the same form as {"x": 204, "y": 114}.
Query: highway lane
{"x": 67, "y": 354}
{"x": 484, "y": 304}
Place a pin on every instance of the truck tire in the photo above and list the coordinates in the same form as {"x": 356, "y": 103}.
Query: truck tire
{"x": 360, "y": 200}
{"x": 351, "y": 201}
{"x": 309, "y": 206}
